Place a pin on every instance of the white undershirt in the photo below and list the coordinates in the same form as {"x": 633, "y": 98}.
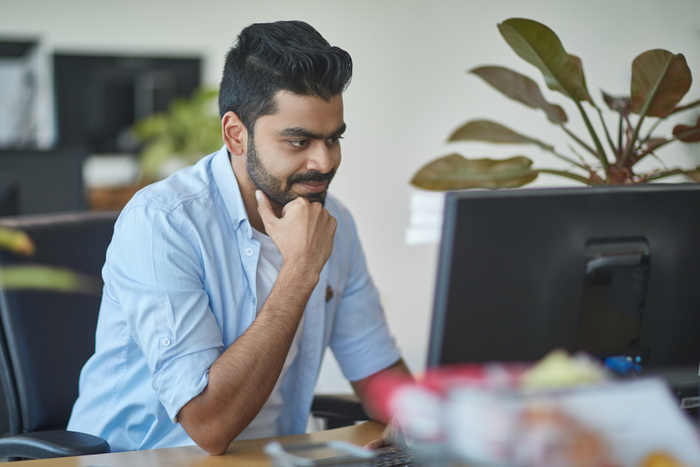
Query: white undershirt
{"x": 265, "y": 425}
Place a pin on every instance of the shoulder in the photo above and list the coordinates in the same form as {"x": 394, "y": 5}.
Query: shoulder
{"x": 340, "y": 212}
{"x": 178, "y": 208}
{"x": 346, "y": 238}
{"x": 184, "y": 186}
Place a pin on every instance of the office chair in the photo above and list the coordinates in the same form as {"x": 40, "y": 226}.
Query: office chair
{"x": 46, "y": 337}
{"x": 44, "y": 180}
{"x": 338, "y": 410}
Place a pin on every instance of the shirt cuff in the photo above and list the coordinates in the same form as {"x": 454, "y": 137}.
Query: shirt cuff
{"x": 183, "y": 379}
{"x": 365, "y": 358}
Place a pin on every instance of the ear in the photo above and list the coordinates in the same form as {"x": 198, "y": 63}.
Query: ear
{"x": 234, "y": 133}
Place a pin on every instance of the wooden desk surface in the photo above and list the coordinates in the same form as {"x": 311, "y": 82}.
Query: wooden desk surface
{"x": 240, "y": 454}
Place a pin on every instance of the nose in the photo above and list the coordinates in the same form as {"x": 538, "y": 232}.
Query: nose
{"x": 321, "y": 158}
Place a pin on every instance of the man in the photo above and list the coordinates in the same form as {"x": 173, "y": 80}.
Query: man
{"x": 225, "y": 282}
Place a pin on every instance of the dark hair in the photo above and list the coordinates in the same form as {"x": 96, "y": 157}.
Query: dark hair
{"x": 283, "y": 56}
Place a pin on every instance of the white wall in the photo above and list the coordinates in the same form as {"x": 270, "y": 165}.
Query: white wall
{"x": 409, "y": 91}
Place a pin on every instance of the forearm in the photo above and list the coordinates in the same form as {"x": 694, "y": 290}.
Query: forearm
{"x": 360, "y": 387}
{"x": 242, "y": 378}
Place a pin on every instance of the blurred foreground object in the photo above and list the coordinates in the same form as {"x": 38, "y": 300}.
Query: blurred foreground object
{"x": 561, "y": 412}
{"x": 660, "y": 79}
{"x": 37, "y": 276}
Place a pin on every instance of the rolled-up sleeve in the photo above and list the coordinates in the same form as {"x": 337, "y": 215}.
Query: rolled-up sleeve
{"x": 156, "y": 270}
{"x": 360, "y": 339}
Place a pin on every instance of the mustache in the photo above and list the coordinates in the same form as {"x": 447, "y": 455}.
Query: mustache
{"x": 311, "y": 176}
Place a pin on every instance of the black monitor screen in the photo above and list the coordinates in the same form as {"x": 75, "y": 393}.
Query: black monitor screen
{"x": 98, "y": 98}
{"x": 613, "y": 271}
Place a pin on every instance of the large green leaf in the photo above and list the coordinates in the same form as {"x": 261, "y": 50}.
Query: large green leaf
{"x": 520, "y": 88}
{"x": 660, "y": 77}
{"x": 688, "y": 134}
{"x": 538, "y": 45}
{"x": 47, "y": 278}
{"x": 455, "y": 172}
{"x": 492, "y": 132}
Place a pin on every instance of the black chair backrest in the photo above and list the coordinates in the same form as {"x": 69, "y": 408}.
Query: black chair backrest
{"x": 45, "y": 181}
{"x": 47, "y": 336}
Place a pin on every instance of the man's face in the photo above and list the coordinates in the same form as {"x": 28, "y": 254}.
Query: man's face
{"x": 296, "y": 151}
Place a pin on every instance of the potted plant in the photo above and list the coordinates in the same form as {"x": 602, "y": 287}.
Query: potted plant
{"x": 660, "y": 79}
{"x": 189, "y": 130}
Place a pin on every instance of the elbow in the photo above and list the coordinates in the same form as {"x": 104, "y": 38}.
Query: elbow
{"x": 212, "y": 442}
{"x": 209, "y": 435}
{"x": 215, "y": 448}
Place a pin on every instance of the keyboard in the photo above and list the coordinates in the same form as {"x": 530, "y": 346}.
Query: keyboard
{"x": 390, "y": 456}
{"x": 393, "y": 456}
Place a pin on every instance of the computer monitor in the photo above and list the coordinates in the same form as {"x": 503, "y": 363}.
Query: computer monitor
{"x": 99, "y": 97}
{"x": 608, "y": 270}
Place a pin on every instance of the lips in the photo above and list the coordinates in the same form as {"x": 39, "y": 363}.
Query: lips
{"x": 314, "y": 187}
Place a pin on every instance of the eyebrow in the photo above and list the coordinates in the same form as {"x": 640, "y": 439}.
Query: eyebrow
{"x": 298, "y": 132}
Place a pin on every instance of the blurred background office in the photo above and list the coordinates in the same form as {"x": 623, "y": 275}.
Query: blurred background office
{"x": 75, "y": 75}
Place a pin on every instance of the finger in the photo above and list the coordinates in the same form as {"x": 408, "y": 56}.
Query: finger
{"x": 375, "y": 444}
{"x": 293, "y": 203}
{"x": 264, "y": 207}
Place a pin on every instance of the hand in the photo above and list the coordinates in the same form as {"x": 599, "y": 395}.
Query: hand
{"x": 391, "y": 436}
{"x": 304, "y": 234}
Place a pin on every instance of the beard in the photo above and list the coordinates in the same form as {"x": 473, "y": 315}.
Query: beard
{"x": 272, "y": 186}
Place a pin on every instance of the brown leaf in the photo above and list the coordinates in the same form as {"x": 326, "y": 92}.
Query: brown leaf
{"x": 617, "y": 104}
{"x": 660, "y": 77}
{"x": 688, "y": 134}
{"x": 579, "y": 64}
{"x": 538, "y": 45}
{"x": 520, "y": 88}
{"x": 492, "y": 132}
{"x": 455, "y": 172}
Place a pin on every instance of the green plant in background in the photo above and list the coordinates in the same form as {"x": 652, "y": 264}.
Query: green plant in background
{"x": 189, "y": 130}
{"x": 660, "y": 79}
{"x": 40, "y": 277}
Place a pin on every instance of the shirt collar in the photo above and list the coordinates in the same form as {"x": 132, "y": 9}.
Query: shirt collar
{"x": 228, "y": 187}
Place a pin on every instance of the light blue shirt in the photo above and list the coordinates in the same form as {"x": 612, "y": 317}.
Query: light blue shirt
{"x": 180, "y": 289}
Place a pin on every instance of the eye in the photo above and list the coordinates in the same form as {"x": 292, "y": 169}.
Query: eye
{"x": 302, "y": 143}
{"x": 334, "y": 139}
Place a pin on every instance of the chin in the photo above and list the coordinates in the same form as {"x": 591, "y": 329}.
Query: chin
{"x": 317, "y": 198}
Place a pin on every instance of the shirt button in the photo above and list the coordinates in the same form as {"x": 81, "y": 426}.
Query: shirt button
{"x": 249, "y": 252}
{"x": 166, "y": 342}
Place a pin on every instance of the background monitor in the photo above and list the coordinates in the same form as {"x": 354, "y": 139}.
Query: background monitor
{"x": 607, "y": 270}
{"x": 99, "y": 97}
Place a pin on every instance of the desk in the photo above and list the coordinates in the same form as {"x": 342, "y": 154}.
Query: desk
{"x": 240, "y": 454}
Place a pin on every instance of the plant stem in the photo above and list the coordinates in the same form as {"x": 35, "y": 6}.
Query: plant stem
{"x": 563, "y": 173}
{"x": 651, "y": 130}
{"x": 619, "y": 139}
{"x": 579, "y": 141}
{"x": 686, "y": 107}
{"x": 669, "y": 173}
{"x": 567, "y": 159}
{"x": 607, "y": 134}
{"x": 601, "y": 152}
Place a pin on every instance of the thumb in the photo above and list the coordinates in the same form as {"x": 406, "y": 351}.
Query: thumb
{"x": 264, "y": 207}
